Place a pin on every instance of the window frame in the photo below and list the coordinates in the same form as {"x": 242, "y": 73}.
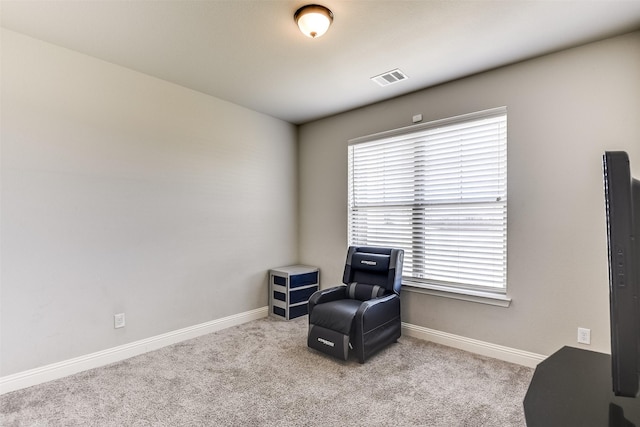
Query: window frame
{"x": 485, "y": 294}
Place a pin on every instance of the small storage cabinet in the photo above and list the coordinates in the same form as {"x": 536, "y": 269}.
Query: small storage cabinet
{"x": 290, "y": 288}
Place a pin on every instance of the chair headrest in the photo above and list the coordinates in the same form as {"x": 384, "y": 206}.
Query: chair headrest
{"x": 374, "y": 266}
{"x": 371, "y": 262}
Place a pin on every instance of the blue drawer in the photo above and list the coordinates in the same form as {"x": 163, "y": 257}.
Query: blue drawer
{"x": 303, "y": 279}
{"x": 301, "y": 294}
{"x": 298, "y": 310}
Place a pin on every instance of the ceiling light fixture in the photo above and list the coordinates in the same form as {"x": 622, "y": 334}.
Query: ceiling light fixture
{"x": 313, "y": 20}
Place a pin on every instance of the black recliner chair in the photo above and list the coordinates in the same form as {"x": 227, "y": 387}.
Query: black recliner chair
{"x": 364, "y": 315}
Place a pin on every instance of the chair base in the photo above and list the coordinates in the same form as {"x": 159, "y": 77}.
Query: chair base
{"x": 375, "y": 340}
{"x": 338, "y": 345}
{"x": 327, "y": 341}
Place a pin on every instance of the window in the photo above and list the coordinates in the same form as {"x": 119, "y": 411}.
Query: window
{"x": 439, "y": 191}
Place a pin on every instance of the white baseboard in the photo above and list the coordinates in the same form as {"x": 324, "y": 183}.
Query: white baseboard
{"x": 62, "y": 369}
{"x": 507, "y": 354}
{"x": 57, "y": 370}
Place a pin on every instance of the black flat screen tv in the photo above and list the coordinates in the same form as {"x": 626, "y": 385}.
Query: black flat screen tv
{"x": 622, "y": 200}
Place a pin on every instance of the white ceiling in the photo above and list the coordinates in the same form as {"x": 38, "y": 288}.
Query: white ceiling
{"x": 251, "y": 52}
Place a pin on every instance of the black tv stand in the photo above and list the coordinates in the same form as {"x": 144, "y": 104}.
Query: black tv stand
{"x": 572, "y": 387}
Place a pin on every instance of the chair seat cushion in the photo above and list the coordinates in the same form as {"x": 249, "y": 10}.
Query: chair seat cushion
{"x": 335, "y": 315}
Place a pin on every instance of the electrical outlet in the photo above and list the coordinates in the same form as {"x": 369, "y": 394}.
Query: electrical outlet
{"x": 118, "y": 320}
{"x": 584, "y": 336}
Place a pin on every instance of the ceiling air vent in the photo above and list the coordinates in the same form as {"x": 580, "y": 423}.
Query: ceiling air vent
{"x": 390, "y": 77}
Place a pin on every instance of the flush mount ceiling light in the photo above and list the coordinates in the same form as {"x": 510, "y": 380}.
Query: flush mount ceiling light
{"x": 313, "y": 20}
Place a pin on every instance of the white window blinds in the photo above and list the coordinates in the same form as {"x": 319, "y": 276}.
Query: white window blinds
{"x": 438, "y": 191}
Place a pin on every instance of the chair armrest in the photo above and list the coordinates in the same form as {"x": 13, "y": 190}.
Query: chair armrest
{"x": 377, "y": 311}
{"x": 327, "y": 295}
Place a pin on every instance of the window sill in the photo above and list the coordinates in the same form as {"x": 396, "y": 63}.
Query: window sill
{"x": 459, "y": 294}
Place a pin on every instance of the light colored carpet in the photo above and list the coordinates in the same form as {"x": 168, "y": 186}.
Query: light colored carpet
{"x": 262, "y": 374}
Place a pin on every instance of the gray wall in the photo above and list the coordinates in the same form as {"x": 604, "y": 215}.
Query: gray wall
{"x": 125, "y": 193}
{"x": 564, "y": 110}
